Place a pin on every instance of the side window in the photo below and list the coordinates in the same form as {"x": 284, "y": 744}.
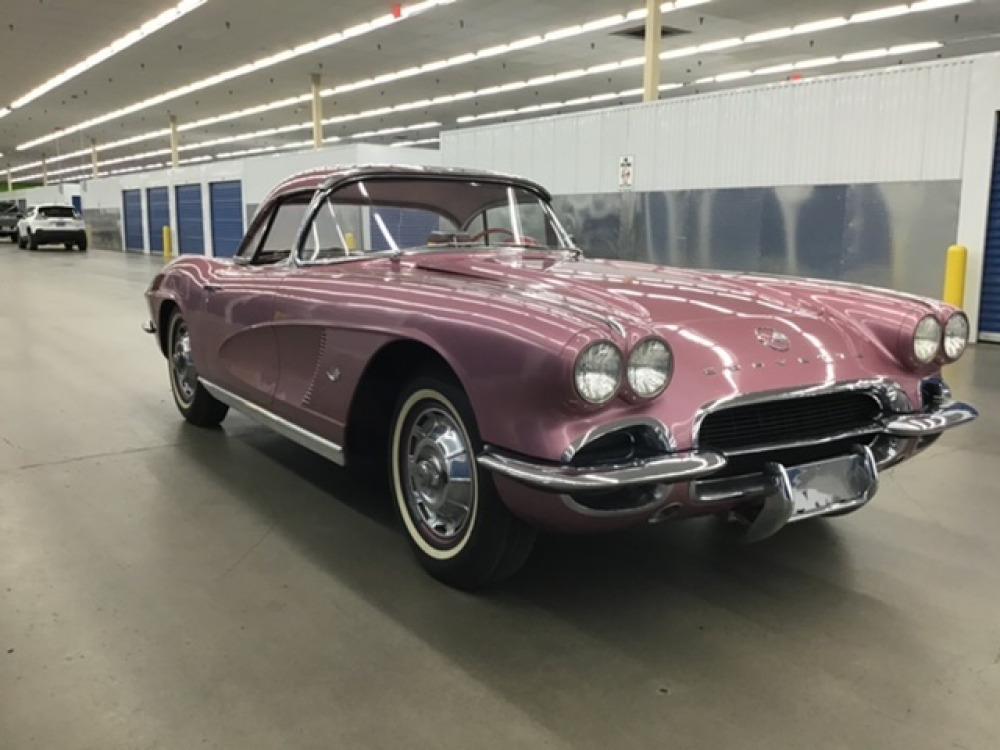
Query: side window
{"x": 335, "y": 232}
{"x": 252, "y": 240}
{"x": 282, "y": 231}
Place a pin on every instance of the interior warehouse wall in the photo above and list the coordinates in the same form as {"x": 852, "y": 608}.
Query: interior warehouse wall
{"x": 32, "y": 196}
{"x": 102, "y": 197}
{"x": 862, "y": 176}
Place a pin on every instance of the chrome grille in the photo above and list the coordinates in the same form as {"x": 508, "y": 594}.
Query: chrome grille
{"x": 785, "y": 421}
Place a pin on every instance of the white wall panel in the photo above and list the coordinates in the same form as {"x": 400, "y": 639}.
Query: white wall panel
{"x": 901, "y": 123}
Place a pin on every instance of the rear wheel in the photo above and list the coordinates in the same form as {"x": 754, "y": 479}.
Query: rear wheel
{"x": 460, "y": 530}
{"x": 195, "y": 403}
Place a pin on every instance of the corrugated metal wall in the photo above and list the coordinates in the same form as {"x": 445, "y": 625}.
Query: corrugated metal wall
{"x": 896, "y": 124}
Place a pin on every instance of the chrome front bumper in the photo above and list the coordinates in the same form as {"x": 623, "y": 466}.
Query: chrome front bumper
{"x": 899, "y": 437}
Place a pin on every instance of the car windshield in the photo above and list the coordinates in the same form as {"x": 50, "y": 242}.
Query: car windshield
{"x": 378, "y": 215}
{"x": 56, "y": 212}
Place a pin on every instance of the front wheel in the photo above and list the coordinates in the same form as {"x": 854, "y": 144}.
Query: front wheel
{"x": 194, "y": 402}
{"x": 82, "y": 244}
{"x": 457, "y": 525}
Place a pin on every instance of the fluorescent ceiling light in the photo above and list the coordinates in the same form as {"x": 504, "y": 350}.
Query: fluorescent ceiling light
{"x": 118, "y": 45}
{"x": 408, "y": 11}
{"x": 935, "y": 4}
{"x": 905, "y": 49}
{"x": 822, "y": 25}
{"x": 722, "y": 78}
{"x": 868, "y": 54}
{"x": 817, "y": 62}
{"x": 379, "y": 22}
{"x": 488, "y": 91}
{"x": 767, "y": 36}
{"x": 879, "y": 13}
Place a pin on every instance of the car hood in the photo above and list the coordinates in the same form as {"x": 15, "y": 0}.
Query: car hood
{"x": 629, "y": 293}
{"x": 731, "y": 333}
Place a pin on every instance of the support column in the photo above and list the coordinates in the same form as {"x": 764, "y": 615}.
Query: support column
{"x": 93, "y": 158}
{"x": 317, "y": 112}
{"x": 174, "y": 143}
{"x": 651, "y": 68}
{"x": 45, "y": 171}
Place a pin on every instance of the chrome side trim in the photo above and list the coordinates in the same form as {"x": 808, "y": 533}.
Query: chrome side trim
{"x": 282, "y": 426}
{"x": 674, "y": 467}
{"x": 659, "y": 429}
{"x": 930, "y": 423}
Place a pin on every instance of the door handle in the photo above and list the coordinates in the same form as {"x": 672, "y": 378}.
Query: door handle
{"x": 212, "y": 288}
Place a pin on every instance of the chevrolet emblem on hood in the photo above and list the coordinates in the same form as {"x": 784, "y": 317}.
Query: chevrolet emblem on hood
{"x": 772, "y": 339}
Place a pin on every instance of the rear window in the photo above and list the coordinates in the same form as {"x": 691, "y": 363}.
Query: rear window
{"x": 56, "y": 212}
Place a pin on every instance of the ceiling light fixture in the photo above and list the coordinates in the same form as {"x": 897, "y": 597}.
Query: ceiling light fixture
{"x": 120, "y": 44}
{"x": 379, "y": 22}
{"x": 763, "y": 36}
{"x": 722, "y": 78}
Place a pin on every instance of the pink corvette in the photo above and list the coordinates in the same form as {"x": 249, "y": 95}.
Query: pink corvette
{"x": 443, "y": 324}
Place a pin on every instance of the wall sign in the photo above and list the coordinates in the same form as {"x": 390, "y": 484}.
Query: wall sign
{"x": 626, "y": 172}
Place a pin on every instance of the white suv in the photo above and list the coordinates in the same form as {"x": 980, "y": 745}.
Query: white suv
{"x": 51, "y": 224}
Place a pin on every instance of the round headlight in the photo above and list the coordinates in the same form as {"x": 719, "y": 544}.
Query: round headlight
{"x": 926, "y": 340}
{"x": 598, "y": 372}
{"x": 649, "y": 368}
{"x": 956, "y": 336}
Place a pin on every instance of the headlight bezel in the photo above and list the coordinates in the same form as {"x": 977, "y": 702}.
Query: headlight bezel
{"x": 915, "y": 337}
{"x": 957, "y": 315}
{"x": 635, "y": 350}
{"x": 620, "y": 372}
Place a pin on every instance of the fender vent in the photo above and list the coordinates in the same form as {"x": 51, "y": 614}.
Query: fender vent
{"x": 317, "y": 369}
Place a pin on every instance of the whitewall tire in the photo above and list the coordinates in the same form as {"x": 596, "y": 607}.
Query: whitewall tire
{"x": 460, "y": 530}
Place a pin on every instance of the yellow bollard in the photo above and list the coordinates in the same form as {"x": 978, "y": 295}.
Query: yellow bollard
{"x": 168, "y": 249}
{"x": 954, "y": 275}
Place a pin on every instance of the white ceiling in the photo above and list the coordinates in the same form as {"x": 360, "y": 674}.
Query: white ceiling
{"x": 38, "y": 39}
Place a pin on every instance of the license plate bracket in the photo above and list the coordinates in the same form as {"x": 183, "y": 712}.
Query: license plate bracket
{"x": 815, "y": 489}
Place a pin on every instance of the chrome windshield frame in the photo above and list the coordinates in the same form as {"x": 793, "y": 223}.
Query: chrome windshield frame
{"x": 325, "y": 191}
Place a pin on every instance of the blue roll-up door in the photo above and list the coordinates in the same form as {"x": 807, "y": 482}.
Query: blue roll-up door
{"x": 132, "y": 216}
{"x": 78, "y": 204}
{"x": 226, "y": 202}
{"x": 190, "y": 228}
{"x": 989, "y": 303}
{"x": 158, "y": 213}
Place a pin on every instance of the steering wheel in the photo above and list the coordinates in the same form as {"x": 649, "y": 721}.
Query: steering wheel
{"x": 486, "y": 233}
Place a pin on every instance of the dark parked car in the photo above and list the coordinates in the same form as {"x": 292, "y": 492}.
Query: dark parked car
{"x": 10, "y": 214}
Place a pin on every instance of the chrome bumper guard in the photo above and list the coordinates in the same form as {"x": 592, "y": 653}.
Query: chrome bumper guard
{"x": 691, "y": 465}
{"x": 674, "y": 467}
{"x": 946, "y": 416}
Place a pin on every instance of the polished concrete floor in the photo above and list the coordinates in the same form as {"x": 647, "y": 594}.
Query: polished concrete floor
{"x": 167, "y": 587}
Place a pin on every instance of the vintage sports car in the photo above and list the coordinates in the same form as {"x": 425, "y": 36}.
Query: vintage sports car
{"x": 442, "y": 324}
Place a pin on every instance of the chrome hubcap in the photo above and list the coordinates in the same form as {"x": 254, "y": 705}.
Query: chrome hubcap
{"x": 438, "y": 479}
{"x": 182, "y": 367}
